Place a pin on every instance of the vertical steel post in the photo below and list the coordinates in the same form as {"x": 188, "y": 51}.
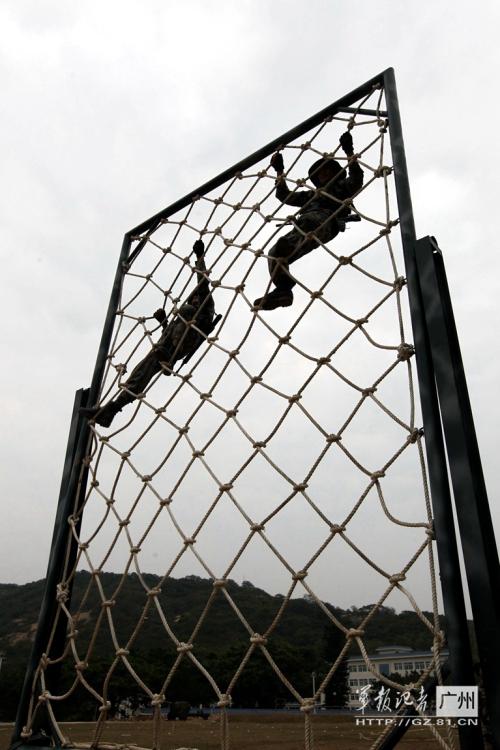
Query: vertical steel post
{"x": 48, "y": 608}
{"x": 73, "y": 482}
{"x": 471, "y": 501}
{"x": 460, "y": 657}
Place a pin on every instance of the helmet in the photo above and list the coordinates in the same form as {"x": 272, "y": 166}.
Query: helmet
{"x": 333, "y": 169}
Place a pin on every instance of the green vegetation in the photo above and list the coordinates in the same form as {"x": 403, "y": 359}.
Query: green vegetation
{"x": 302, "y": 643}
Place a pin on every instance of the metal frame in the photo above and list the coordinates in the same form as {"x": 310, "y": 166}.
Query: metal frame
{"x": 75, "y": 475}
{"x": 471, "y": 501}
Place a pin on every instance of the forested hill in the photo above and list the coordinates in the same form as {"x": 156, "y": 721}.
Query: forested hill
{"x": 303, "y": 621}
{"x": 303, "y": 641}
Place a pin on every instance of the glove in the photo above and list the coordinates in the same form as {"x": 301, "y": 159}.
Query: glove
{"x": 199, "y": 248}
{"x": 277, "y": 162}
{"x": 160, "y": 315}
{"x": 346, "y": 143}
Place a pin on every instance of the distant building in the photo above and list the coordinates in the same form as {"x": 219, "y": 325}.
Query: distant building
{"x": 388, "y": 660}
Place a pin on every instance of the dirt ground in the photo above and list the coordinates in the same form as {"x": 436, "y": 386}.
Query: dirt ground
{"x": 246, "y": 733}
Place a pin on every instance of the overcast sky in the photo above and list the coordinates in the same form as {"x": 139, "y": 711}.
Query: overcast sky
{"x": 112, "y": 110}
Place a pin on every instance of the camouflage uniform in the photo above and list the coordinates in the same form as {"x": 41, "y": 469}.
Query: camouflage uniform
{"x": 179, "y": 340}
{"x": 318, "y": 214}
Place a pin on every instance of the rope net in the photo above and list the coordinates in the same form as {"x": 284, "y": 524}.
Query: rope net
{"x": 287, "y": 449}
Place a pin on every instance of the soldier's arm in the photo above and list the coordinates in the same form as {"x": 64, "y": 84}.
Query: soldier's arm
{"x": 354, "y": 180}
{"x": 201, "y": 269}
{"x": 283, "y": 193}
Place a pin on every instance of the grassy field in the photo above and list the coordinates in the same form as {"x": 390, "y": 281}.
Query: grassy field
{"x": 246, "y": 733}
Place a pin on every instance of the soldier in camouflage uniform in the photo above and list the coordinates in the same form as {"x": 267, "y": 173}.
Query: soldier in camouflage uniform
{"x": 181, "y": 337}
{"x": 322, "y": 214}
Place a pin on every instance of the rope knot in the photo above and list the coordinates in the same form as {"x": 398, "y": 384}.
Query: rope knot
{"x": 317, "y": 294}
{"x": 258, "y": 639}
{"x": 205, "y": 396}
{"x": 123, "y": 523}
{"x": 166, "y": 501}
{"x": 259, "y": 444}
{"x": 397, "y": 577}
{"x": 368, "y": 391}
{"x": 44, "y": 696}
{"x": 399, "y": 283}
{"x": 224, "y": 701}
{"x": 323, "y": 360}
{"x": 430, "y": 531}
{"x": 337, "y": 528}
{"x": 183, "y": 648}
{"x": 360, "y": 321}
{"x": 234, "y": 353}
{"x": 219, "y": 583}
{"x": 83, "y": 546}
{"x": 405, "y": 351}
{"x": 382, "y": 171}
{"x": 231, "y": 412}
{"x": 293, "y": 399}
{"x": 307, "y": 705}
{"x": 146, "y": 478}
{"x": 122, "y": 652}
{"x": 299, "y": 575}
{"x": 355, "y": 633}
{"x": 183, "y": 430}
{"x": 377, "y": 475}
{"x": 257, "y": 527}
{"x": 108, "y": 603}
{"x": 157, "y": 699}
{"x": 284, "y": 339}
{"x": 62, "y": 593}
{"x": 81, "y": 666}
{"x": 154, "y": 592}
{"x": 333, "y": 438}
{"x": 125, "y": 455}
{"x": 300, "y": 487}
{"x": 189, "y": 541}
{"x": 225, "y": 487}
{"x": 414, "y": 435}
{"x": 198, "y": 454}
{"x": 256, "y": 379}
{"x": 135, "y": 550}
{"x": 215, "y": 283}
{"x": 345, "y": 260}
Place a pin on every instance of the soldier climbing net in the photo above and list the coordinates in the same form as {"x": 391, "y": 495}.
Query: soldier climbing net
{"x": 289, "y": 445}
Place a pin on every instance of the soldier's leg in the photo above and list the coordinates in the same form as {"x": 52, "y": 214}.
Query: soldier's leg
{"x": 140, "y": 376}
{"x": 287, "y": 249}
